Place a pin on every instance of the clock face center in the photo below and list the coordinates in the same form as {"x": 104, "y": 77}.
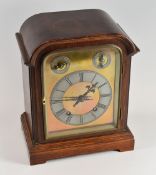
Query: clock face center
{"x": 85, "y": 100}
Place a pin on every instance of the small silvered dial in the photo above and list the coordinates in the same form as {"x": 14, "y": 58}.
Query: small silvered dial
{"x": 101, "y": 59}
{"x": 60, "y": 64}
{"x": 80, "y": 97}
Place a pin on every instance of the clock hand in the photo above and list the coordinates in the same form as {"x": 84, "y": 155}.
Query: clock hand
{"x": 74, "y": 97}
{"x": 69, "y": 99}
{"x": 82, "y": 97}
{"x": 90, "y": 89}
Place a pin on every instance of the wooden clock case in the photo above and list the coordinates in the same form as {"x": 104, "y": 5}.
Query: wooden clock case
{"x": 47, "y": 32}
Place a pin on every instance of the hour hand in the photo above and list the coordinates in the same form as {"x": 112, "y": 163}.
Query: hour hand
{"x": 87, "y": 86}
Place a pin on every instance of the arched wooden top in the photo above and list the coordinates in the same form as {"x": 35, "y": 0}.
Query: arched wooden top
{"x": 48, "y": 28}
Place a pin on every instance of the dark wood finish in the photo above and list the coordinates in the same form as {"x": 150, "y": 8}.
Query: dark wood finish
{"x": 47, "y": 32}
{"x": 40, "y": 153}
{"x": 26, "y": 88}
{"x": 22, "y": 47}
{"x": 50, "y": 27}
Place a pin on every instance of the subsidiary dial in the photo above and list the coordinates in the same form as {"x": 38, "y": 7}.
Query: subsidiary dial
{"x": 60, "y": 64}
{"x": 101, "y": 59}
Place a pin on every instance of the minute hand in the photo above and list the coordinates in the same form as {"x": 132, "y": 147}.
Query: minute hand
{"x": 70, "y": 99}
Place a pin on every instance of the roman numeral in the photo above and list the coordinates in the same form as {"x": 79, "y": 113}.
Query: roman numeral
{"x": 93, "y": 78}
{"x": 92, "y": 113}
{"x": 101, "y": 106}
{"x": 68, "y": 119}
{"x": 67, "y": 79}
{"x": 59, "y": 90}
{"x": 81, "y": 119}
{"x": 81, "y": 76}
{"x": 102, "y": 84}
{"x": 55, "y": 101}
{"x": 60, "y": 112}
{"x": 105, "y": 95}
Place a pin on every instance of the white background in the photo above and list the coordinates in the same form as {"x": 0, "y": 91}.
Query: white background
{"x": 138, "y": 19}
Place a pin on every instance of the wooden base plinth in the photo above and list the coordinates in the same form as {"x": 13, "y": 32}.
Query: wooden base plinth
{"x": 40, "y": 153}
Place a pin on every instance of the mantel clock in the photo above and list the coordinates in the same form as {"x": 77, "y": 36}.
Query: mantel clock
{"x": 76, "y": 74}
